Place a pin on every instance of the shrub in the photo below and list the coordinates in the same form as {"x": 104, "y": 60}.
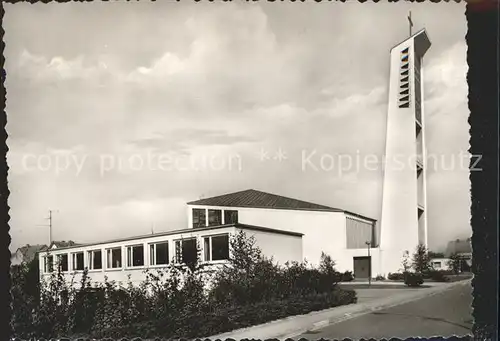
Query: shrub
{"x": 380, "y": 278}
{"x": 436, "y": 254}
{"x": 413, "y": 279}
{"x": 454, "y": 263}
{"x": 346, "y": 276}
{"x": 438, "y": 275}
{"x": 396, "y": 276}
{"x": 405, "y": 262}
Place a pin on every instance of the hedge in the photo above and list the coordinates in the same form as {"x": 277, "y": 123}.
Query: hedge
{"x": 396, "y": 276}
{"x": 175, "y": 301}
{"x": 231, "y": 318}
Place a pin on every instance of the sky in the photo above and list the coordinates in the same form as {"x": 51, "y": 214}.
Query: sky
{"x": 120, "y": 113}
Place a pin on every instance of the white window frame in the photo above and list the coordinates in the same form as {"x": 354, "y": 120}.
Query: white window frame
{"x": 212, "y": 249}
{"x": 206, "y": 217}
{"x": 90, "y": 258}
{"x": 177, "y": 254}
{"x": 74, "y": 260}
{"x": 46, "y": 264}
{"x": 214, "y": 210}
{"x": 58, "y": 257}
{"x": 109, "y": 251}
{"x": 224, "y": 222}
{"x": 152, "y": 260}
{"x": 130, "y": 260}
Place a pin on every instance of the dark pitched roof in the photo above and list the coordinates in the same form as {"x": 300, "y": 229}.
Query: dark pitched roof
{"x": 459, "y": 246}
{"x": 257, "y": 199}
{"x": 60, "y": 244}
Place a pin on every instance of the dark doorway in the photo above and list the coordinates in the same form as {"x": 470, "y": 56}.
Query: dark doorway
{"x": 362, "y": 267}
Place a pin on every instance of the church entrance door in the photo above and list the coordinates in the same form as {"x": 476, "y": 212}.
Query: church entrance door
{"x": 362, "y": 267}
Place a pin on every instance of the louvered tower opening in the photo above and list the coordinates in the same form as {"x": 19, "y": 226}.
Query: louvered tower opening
{"x": 404, "y": 79}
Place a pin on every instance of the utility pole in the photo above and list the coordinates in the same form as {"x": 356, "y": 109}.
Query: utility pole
{"x": 50, "y": 225}
{"x": 368, "y": 244}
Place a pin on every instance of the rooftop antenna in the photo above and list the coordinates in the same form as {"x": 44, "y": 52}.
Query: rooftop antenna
{"x": 153, "y": 228}
{"x": 49, "y": 225}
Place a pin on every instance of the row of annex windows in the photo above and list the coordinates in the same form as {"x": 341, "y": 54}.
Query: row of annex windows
{"x": 186, "y": 251}
{"x": 214, "y": 217}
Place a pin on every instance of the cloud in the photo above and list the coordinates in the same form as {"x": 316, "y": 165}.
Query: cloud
{"x": 39, "y": 68}
{"x": 183, "y": 139}
{"x": 211, "y": 82}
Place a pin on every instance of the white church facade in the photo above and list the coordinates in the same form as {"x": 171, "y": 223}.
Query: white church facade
{"x": 285, "y": 229}
{"x": 289, "y": 229}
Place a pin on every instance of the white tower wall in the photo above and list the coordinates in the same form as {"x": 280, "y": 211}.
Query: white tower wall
{"x": 404, "y": 218}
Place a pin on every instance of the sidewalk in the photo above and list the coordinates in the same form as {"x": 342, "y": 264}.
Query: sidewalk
{"x": 296, "y": 325}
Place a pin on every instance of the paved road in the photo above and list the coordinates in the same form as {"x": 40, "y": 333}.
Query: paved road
{"x": 445, "y": 314}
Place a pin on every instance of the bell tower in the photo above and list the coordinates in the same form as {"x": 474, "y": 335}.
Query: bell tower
{"x": 404, "y": 215}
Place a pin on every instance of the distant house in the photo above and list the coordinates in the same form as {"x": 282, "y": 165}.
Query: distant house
{"x": 63, "y": 243}
{"x": 27, "y": 253}
{"x": 463, "y": 249}
{"x": 460, "y": 247}
{"x": 440, "y": 263}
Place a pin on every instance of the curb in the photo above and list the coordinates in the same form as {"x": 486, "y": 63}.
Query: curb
{"x": 353, "y": 311}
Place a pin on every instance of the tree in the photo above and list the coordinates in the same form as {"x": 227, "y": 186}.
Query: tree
{"x": 406, "y": 262}
{"x": 454, "y": 263}
{"x": 421, "y": 260}
{"x": 244, "y": 252}
{"x": 436, "y": 255}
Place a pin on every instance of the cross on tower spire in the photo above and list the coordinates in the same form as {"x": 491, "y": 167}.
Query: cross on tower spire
{"x": 410, "y": 21}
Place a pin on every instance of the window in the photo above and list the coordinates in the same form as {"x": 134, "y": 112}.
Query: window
{"x": 220, "y": 247}
{"x": 77, "y": 262}
{"x": 158, "y": 253}
{"x": 48, "y": 264}
{"x": 230, "y": 217}
{"x": 135, "y": 255}
{"x": 62, "y": 262}
{"x": 95, "y": 260}
{"x": 214, "y": 217}
{"x": 207, "y": 255}
{"x": 186, "y": 251}
{"x": 437, "y": 265}
{"x": 216, "y": 248}
{"x": 114, "y": 258}
{"x": 199, "y": 217}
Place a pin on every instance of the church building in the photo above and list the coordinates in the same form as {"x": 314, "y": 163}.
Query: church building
{"x": 289, "y": 229}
